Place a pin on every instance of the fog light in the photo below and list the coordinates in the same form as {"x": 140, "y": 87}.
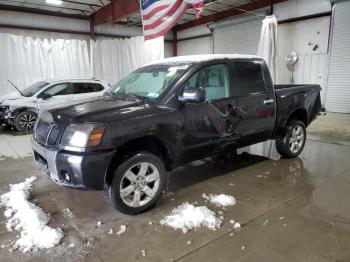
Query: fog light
{"x": 67, "y": 177}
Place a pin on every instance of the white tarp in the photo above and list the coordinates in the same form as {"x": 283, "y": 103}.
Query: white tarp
{"x": 267, "y": 50}
{"x": 30, "y": 56}
{"x": 267, "y": 43}
{"x": 112, "y": 59}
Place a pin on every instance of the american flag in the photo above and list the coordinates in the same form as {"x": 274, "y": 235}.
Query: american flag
{"x": 159, "y": 16}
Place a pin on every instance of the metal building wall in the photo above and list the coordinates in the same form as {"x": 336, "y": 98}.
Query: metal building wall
{"x": 241, "y": 36}
{"x": 338, "y": 87}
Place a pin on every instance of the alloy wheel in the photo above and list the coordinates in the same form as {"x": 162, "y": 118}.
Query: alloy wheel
{"x": 139, "y": 184}
{"x": 27, "y": 121}
{"x": 296, "y": 139}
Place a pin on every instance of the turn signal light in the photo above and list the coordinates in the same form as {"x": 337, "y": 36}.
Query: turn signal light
{"x": 96, "y": 136}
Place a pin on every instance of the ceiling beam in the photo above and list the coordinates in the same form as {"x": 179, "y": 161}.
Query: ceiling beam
{"x": 227, "y": 13}
{"x": 115, "y": 11}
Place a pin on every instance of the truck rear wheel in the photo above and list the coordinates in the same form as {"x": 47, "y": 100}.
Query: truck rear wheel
{"x": 137, "y": 184}
{"x": 25, "y": 121}
{"x": 292, "y": 144}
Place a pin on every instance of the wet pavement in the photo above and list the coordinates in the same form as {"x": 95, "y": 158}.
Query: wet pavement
{"x": 290, "y": 210}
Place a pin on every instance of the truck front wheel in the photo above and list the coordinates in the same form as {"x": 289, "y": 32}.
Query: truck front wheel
{"x": 292, "y": 144}
{"x": 137, "y": 184}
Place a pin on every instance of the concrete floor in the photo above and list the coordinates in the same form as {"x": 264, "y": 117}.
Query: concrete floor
{"x": 290, "y": 210}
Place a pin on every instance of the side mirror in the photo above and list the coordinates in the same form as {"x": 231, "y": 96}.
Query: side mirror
{"x": 193, "y": 96}
{"x": 45, "y": 96}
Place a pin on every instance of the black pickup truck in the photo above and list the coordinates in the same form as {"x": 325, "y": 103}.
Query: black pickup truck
{"x": 167, "y": 114}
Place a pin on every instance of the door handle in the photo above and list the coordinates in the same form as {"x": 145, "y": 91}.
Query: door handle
{"x": 268, "y": 101}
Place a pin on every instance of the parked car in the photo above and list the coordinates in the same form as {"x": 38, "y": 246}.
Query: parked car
{"x": 21, "y": 111}
{"x": 166, "y": 114}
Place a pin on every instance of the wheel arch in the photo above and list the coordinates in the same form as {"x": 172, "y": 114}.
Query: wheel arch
{"x": 298, "y": 114}
{"x": 23, "y": 109}
{"x": 150, "y": 144}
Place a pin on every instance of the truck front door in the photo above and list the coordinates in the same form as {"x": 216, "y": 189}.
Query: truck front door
{"x": 252, "y": 87}
{"x": 210, "y": 124}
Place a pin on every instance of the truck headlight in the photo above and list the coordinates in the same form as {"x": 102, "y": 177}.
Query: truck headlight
{"x": 82, "y": 135}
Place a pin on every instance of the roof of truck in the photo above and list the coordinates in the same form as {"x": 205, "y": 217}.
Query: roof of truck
{"x": 200, "y": 58}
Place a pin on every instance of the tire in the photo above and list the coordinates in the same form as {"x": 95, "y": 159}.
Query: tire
{"x": 292, "y": 144}
{"x": 141, "y": 190}
{"x": 25, "y": 121}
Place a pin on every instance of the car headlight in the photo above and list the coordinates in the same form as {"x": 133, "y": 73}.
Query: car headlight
{"x": 82, "y": 135}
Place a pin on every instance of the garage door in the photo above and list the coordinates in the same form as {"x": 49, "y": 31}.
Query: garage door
{"x": 338, "y": 87}
{"x": 241, "y": 37}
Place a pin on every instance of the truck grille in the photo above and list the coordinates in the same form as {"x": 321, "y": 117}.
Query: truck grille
{"x": 46, "y": 133}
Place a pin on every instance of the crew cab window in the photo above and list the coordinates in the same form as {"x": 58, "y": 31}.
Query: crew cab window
{"x": 248, "y": 79}
{"x": 81, "y": 88}
{"x": 214, "y": 79}
{"x": 57, "y": 90}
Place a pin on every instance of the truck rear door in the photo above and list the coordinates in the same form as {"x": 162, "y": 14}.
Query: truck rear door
{"x": 255, "y": 108}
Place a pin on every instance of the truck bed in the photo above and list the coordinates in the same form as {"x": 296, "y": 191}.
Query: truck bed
{"x": 304, "y": 99}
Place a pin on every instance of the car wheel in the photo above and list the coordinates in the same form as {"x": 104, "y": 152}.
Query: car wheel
{"x": 292, "y": 144}
{"x": 137, "y": 184}
{"x": 25, "y": 121}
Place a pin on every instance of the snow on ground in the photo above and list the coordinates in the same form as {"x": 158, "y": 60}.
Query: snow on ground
{"x": 28, "y": 219}
{"x": 122, "y": 229}
{"x": 221, "y": 200}
{"x": 187, "y": 217}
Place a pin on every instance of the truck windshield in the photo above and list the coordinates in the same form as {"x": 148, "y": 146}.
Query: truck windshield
{"x": 149, "y": 82}
{"x": 33, "y": 89}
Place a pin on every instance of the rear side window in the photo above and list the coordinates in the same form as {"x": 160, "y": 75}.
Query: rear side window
{"x": 248, "y": 79}
{"x": 82, "y": 88}
{"x": 98, "y": 87}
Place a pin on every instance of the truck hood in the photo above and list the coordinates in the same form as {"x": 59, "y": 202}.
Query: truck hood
{"x": 9, "y": 97}
{"x": 100, "y": 109}
{"x": 65, "y": 101}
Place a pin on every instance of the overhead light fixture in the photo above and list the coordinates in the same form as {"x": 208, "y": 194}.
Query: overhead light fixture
{"x": 54, "y": 2}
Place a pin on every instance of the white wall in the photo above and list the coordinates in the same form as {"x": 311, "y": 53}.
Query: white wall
{"x": 121, "y": 30}
{"x": 193, "y": 31}
{"x": 63, "y": 23}
{"x": 301, "y": 37}
{"x": 43, "y": 21}
{"x": 168, "y": 49}
{"x": 284, "y": 10}
{"x": 198, "y": 46}
{"x": 298, "y": 8}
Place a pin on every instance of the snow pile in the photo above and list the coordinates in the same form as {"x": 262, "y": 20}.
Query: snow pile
{"x": 29, "y": 219}
{"x": 221, "y": 200}
{"x": 122, "y": 229}
{"x": 187, "y": 217}
{"x": 237, "y": 226}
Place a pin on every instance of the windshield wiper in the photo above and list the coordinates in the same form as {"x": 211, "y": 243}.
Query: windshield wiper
{"x": 121, "y": 95}
{"x": 134, "y": 97}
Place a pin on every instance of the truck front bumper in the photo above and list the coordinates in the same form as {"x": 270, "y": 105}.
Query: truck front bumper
{"x": 78, "y": 170}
